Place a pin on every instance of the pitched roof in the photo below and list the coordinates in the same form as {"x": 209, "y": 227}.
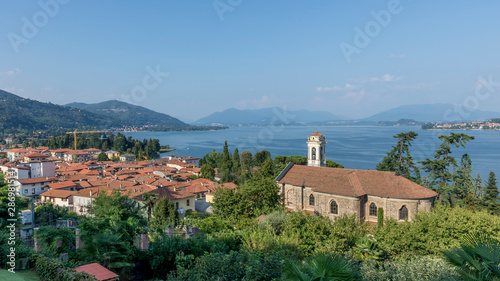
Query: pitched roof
{"x": 350, "y": 182}
{"x": 37, "y": 180}
{"x": 316, "y": 134}
{"x": 63, "y": 184}
{"x": 169, "y": 193}
{"x": 58, "y": 193}
{"x": 99, "y": 271}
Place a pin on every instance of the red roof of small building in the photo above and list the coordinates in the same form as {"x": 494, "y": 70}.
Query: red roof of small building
{"x": 99, "y": 271}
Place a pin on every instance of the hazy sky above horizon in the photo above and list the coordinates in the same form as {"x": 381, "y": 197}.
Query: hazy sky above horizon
{"x": 192, "y": 58}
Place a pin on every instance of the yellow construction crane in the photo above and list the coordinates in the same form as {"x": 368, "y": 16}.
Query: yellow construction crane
{"x": 83, "y": 132}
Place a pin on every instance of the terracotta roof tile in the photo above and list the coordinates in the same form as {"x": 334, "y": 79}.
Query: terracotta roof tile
{"x": 99, "y": 271}
{"x": 350, "y": 182}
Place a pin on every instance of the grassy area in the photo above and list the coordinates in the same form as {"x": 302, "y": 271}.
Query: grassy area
{"x": 166, "y": 150}
{"x": 20, "y": 275}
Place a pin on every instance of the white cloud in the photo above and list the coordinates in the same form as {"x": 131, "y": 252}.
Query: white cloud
{"x": 385, "y": 78}
{"x": 397, "y": 56}
{"x": 337, "y": 88}
{"x": 10, "y": 72}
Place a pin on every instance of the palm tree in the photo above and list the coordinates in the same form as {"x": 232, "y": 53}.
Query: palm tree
{"x": 109, "y": 250}
{"x": 478, "y": 258}
{"x": 323, "y": 267}
{"x": 150, "y": 199}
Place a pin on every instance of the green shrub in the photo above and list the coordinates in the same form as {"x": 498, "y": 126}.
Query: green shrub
{"x": 162, "y": 254}
{"x": 275, "y": 221}
{"x": 232, "y": 266}
{"x": 260, "y": 240}
{"x": 432, "y": 232}
{"x": 417, "y": 269}
{"x": 50, "y": 269}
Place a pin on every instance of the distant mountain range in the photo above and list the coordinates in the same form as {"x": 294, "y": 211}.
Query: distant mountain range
{"x": 407, "y": 114}
{"x": 433, "y": 113}
{"x": 267, "y": 116}
{"x": 20, "y": 113}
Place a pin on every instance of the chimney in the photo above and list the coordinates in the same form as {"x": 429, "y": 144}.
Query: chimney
{"x": 91, "y": 193}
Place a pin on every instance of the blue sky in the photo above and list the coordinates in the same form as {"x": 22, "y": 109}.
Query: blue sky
{"x": 212, "y": 55}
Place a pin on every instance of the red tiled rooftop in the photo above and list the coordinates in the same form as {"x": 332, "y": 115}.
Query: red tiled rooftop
{"x": 99, "y": 271}
{"x": 350, "y": 182}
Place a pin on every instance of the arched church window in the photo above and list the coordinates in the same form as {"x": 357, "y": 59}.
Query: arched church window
{"x": 334, "y": 208}
{"x": 403, "y": 213}
{"x": 313, "y": 153}
{"x": 373, "y": 210}
{"x": 311, "y": 200}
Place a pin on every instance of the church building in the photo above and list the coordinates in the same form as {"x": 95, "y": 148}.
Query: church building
{"x": 333, "y": 192}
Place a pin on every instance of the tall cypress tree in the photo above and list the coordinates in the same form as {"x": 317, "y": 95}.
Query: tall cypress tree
{"x": 236, "y": 161}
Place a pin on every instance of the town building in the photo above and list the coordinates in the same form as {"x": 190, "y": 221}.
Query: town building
{"x": 334, "y": 192}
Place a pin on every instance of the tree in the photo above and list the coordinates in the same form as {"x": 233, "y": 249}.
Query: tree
{"x": 440, "y": 168}
{"x": 236, "y": 161}
{"x": 207, "y": 172}
{"x": 490, "y": 199}
{"x": 330, "y": 163}
{"x": 261, "y": 156}
{"x": 109, "y": 250}
{"x": 165, "y": 212}
{"x": 399, "y": 160}
{"x": 150, "y": 199}
{"x": 115, "y": 206}
{"x": 226, "y": 161}
{"x": 102, "y": 157}
{"x": 463, "y": 182}
{"x": 268, "y": 168}
{"x": 246, "y": 160}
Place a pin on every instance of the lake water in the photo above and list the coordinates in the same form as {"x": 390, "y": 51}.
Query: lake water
{"x": 356, "y": 147}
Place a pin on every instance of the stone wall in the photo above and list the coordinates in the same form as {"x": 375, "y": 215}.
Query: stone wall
{"x": 350, "y": 205}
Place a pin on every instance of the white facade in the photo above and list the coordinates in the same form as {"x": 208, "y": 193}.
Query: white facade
{"x": 316, "y": 150}
{"x": 80, "y": 204}
{"x": 43, "y": 169}
{"x": 32, "y": 188}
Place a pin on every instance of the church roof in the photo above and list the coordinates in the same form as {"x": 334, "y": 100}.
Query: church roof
{"x": 316, "y": 134}
{"x": 351, "y": 182}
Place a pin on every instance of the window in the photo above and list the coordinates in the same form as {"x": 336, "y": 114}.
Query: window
{"x": 313, "y": 153}
{"x": 334, "y": 208}
{"x": 25, "y": 191}
{"x": 321, "y": 153}
{"x": 177, "y": 205}
{"x": 187, "y": 202}
{"x": 373, "y": 210}
{"x": 311, "y": 200}
{"x": 403, "y": 213}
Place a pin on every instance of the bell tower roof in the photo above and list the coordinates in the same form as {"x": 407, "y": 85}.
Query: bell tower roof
{"x": 316, "y": 134}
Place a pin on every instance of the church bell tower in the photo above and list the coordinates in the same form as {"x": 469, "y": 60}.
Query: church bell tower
{"x": 316, "y": 150}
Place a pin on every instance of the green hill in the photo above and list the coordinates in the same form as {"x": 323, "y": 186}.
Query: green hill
{"x": 20, "y": 113}
{"x": 17, "y": 113}
{"x": 131, "y": 115}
